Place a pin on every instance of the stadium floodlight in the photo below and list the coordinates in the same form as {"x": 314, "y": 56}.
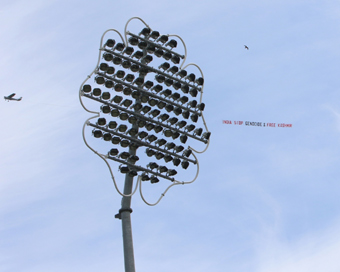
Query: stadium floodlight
{"x": 152, "y": 105}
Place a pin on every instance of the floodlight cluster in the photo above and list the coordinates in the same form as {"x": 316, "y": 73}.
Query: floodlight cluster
{"x": 159, "y": 115}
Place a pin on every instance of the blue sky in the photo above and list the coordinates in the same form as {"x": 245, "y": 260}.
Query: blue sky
{"x": 266, "y": 199}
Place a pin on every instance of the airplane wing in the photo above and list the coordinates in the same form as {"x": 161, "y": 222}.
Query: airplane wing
{"x": 11, "y": 95}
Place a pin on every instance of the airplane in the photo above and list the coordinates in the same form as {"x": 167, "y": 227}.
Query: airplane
{"x": 10, "y": 97}
{"x": 246, "y": 47}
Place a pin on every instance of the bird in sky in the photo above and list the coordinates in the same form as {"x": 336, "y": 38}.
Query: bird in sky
{"x": 246, "y": 47}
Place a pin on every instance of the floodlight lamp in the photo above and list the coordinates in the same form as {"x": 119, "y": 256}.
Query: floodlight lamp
{"x": 191, "y": 77}
{"x": 199, "y": 81}
{"x": 169, "y": 108}
{"x": 150, "y": 152}
{"x": 172, "y": 44}
{"x": 110, "y": 70}
{"x": 128, "y": 50}
{"x": 172, "y": 172}
{"x": 152, "y": 102}
{"x": 178, "y": 111}
{"x": 161, "y": 104}
{"x": 127, "y": 103}
{"x": 151, "y": 48}
{"x": 123, "y": 116}
{"x": 187, "y": 152}
{"x": 157, "y": 88}
{"x": 170, "y": 145}
{"x": 162, "y": 169}
{"x": 164, "y": 117}
{"x": 113, "y": 152}
{"x": 122, "y": 128}
{"x": 139, "y": 81}
{"x": 110, "y": 43}
{"x": 168, "y": 158}
{"x": 120, "y": 74}
{"x": 101, "y": 122}
{"x": 96, "y": 92}
{"x": 126, "y": 64}
{"x": 185, "y": 88}
{"x": 198, "y": 131}
{"x": 186, "y": 114}
{"x": 124, "y": 155}
{"x": 206, "y": 135}
{"x": 129, "y": 77}
{"x": 107, "y": 137}
{"x": 115, "y": 140}
{"x": 124, "y": 143}
{"x": 192, "y": 104}
{"x": 105, "y": 109}
{"x": 135, "y": 94}
{"x": 133, "y": 173}
{"x": 194, "y": 118}
{"x": 159, "y": 52}
{"x": 158, "y": 129}
{"x": 185, "y": 164}
{"x": 184, "y": 99}
{"x": 138, "y": 54}
{"x": 97, "y": 133}
{"x": 143, "y": 71}
{"x": 190, "y": 127}
{"x": 168, "y": 133}
{"x": 145, "y": 31}
{"x": 175, "y": 135}
{"x": 147, "y": 59}
{"x": 163, "y": 39}
{"x": 165, "y": 66}
{"x": 87, "y": 88}
{"x": 127, "y": 91}
{"x": 134, "y": 68}
{"x": 154, "y": 34}
{"x": 108, "y": 57}
{"x": 141, "y": 123}
{"x": 133, "y": 41}
{"x": 173, "y": 69}
{"x": 124, "y": 169}
{"x": 175, "y": 59}
{"x": 160, "y": 78}
{"x": 100, "y": 80}
{"x": 193, "y": 92}
{"x": 151, "y": 138}
{"x": 201, "y": 106}
{"x": 142, "y": 134}
{"x": 168, "y": 82}
{"x": 117, "y": 60}
{"x": 112, "y": 125}
{"x": 137, "y": 107}
{"x": 177, "y": 85}
{"x": 152, "y": 165}
{"x": 117, "y": 99}
{"x": 173, "y": 120}
{"x": 155, "y": 112}
{"x": 159, "y": 155}
{"x": 145, "y": 177}
{"x": 118, "y": 87}
{"x": 166, "y": 92}
{"x": 133, "y": 131}
{"x": 119, "y": 47}
{"x": 183, "y": 139}
{"x": 144, "y": 99}
{"x": 148, "y": 84}
{"x": 176, "y": 161}
{"x": 146, "y": 109}
{"x": 160, "y": 142}
{"x": 178, "y": 148}
{"x": 109, "y": 84}
{"x": 149, "y": 126}
{"x": 182, "y": 73}
{"x": 106, "y": 95}
{"x": 103, "y": 66}
{"x": 142, "y": 45}
{"x": 154, "y": 179}
{"x": 167, "y": 55}
{"x": 181, "y": 124}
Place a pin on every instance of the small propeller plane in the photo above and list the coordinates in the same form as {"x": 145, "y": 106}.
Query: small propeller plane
{"x": 11, "y": 97}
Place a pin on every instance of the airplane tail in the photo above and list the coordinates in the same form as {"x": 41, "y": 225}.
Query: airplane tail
{"x": 19, "y": 99}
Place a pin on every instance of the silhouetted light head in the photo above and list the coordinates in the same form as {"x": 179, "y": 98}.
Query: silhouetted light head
{"x": 194, "y": 118}
{"x": 154, "y": 34}
{"x": 206, "y": 135}
{"x": 173, "y": 120}
{"x": 110, "y": 70}
{"x": 167, "y": 55}
{"x": 172, "y": 44}
{"x": 169, "y": 108}
{"x": 150, "y": 48}
{"x": 132, "y": 119}
{"x": 112, "y": 125}
{"x": 193, "y": 92}
{"x": 184, "y": 99}
{"x": 134, "y": 68}
{"x": 155, "y": 112}
{"x": 157, "y": 88}
{"x": 120, "y": 74}
{"x": 124, "y": 169}
{"x": 124, "y": 155}
{"x": 107, "y": 137}
{"x": 183, "y": 139}
{"x": 109, "y": 84}
{"x": 191, "y": 77}
{"x": 160, "y": 78}
{"x": 147, "y": 59}
{"x": 164, "y": 117}
{"x": 133, "y": 41}
{"x": 139, "y": 81}
{"x": 182, "y": 73}
{"x": 105, "y": 109}
{"x": 110, "y": 43}
{"x": 168, "y": 133}
{"x": 199, "y": 81}
{"x": 97, "y": 92}
{"x": 152, "y": 102}
{"x": 133, "y": 173}
{"x": 186, "y": 114}
{"x": 158, "y": 129}
{"x": 148, "y": 84}
{"x": 192, "y": 104}
{"x": 146, "y": 109}
{"x": 175, "y": 135}
{"x": 127, "y": 91}
{"x": 108, "y": 57}
{"x": 168, "y": 158}
{"x": 172, "y": 172}
{"x": 165, "y": 66}
{"x": 154, "y": 179}
{"x": 175, "y": 59}
{"x": 160, "y": 142}
{"x": 190, "y": 127}
{"x": 198, "y": 131}
{"x": 119, "y": 47}
{"x": 166, "y": 92}
{"x": 152, "y": 165}
{"x": 103, "y": 67}
{"x": 138, "y": 54}
{"x": 181, "y": 124}
{"x": 142, "y": 134}
{"x": 176, "y": 161}
{"x": 97, "y": 133}
{"x": 106, "y": 95}
{"x": 163, "y": 39}
{"x": 187, "y": 152}
{"x": 168, "y": 82}
{"x": 129, "y": 77}
{"x": 124, "y": 143}
{"x": 149, "y": 126}
{"x": 151, "y": 138}
{"x": 162, "y": 169}
{"x": 159, "y": 52}
{"x": 142, "y": 45}
{"x": 122, "y": 128}
{"x": 119, "y": 87}
{"x": 117, "y": 60}
{"x": 87, "y": 88}
{"x": 133, "y": 131}
{"x": 126, "y": 103}
{"x": 161, "y": 104}
{"x": 145, "y": 177}
{"x": 100, "y": 80}
{"x": 177, "y": 111}
{"x": 185, "y": 164}
{"x": 177, "y": 85}
{"x": 145, "y": 31}
{"x": 115, "y": 140}
{"x": 101, "y": 122}
{"x": 123, "y": 116}
{"x": 170, "y": 145}
{"x": 150, "y": 152}
{"x": 114, "y": 152}
{"x": 185, "y": 88}
{"x": 117, "y": 99}
{"x": 144, "y": 98}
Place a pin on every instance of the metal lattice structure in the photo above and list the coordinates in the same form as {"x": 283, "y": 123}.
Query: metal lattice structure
{"x": 150, "y": 107}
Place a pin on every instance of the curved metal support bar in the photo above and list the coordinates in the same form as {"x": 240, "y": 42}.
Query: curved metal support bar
{"x": 194, "y": 64}
{"x": 125, "y": 32}
{"x": 103, "y": 158}
{"x": 185, "y": 49}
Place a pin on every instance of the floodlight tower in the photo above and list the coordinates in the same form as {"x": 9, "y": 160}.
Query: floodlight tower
{"x": 147, "y": 108}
